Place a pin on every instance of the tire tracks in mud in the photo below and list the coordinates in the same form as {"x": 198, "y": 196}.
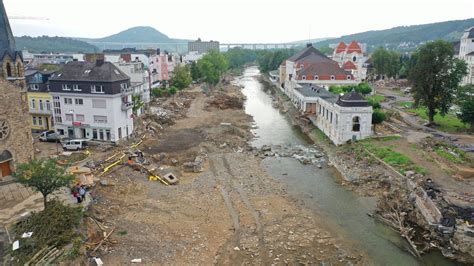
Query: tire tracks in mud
{"x": 227, "y": 184}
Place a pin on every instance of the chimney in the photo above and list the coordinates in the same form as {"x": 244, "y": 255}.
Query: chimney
{"x": 309, "y": 45}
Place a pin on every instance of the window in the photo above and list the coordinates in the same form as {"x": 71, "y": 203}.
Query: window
{"x": 99, "y": 104}
{"x": 94, "y": 133}
{"x": 48, "y": 105}
{"x": 303, "y": 77}
{"x": 34, "y": 87}
{"x": 41, "y": 105}
{"x": 9, "y": 70}
{"x": 87, "y": 71}
{"x": 356, "y": 124}
{"x": 100, "y": 119}
{"x": 333, "y": 77}
{"x": 97, "y": 89}
{"x": 124, "y": 86}
{"x": 69, "y": 117}
{"x": 101, "y": 133}
{"x": 67, "y": 100}
{"x": 349, "y": 77}
{"x": 316, "y": 77}
{"x": 107, "y": 134}
{"x": 66, "y": 87}
{"x": 80, "y": 118}
{"x": 75, "y": 87}
{"x": 79, "y": 101}
{"x": 331, "y": 118}
{"x": 33, "y": 103}
{"x": 40, "y": 121}
{"x": 58, "y": 119}
{"x": 34, "y": 120}
{"x": 354, "y": 58}
{"x": 119, "y": 132}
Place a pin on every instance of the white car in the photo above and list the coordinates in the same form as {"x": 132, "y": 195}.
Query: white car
{"x": 75, "y": 144}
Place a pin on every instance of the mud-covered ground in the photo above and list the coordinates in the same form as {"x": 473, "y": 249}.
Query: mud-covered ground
{"x": 230, "y": 213}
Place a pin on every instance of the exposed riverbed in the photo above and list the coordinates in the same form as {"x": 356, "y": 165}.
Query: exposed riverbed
{"x": 318, "y": 189}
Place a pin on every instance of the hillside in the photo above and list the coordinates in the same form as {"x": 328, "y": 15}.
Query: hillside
{"x": 53, "y": 45}
{"x": 407, "y": 38}
{"x": 138, "y": 35}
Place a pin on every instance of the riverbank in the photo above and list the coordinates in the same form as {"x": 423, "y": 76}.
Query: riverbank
{"x": 367, "y": 175}
{"x": 226, "y": 209}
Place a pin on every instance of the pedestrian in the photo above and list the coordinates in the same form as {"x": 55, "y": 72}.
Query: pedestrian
{"x": 82, "y": 192}
{"x": 75, "y": 193}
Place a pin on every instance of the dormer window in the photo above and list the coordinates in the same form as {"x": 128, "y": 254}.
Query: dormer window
{"x": 303, "y": 77}
{"x": 87, "y": 71}
{"x": 97, "y": 89}
{"x": 349, "y": 77}
{"x": 354, "y": 58}
{"x": 333, "y": 77}
{"x": 124, "y": 86}
{"x": 316, "y": 77}
{"x": 75, "y": 87}
{"x": 66, "y": 87}
{"x": 34, "y": 87}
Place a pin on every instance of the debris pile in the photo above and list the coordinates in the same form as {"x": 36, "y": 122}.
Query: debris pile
{"x": 224, "y": 101}
{"x": 304, "y": 154}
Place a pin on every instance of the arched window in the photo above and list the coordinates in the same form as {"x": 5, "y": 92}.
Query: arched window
{"x": 9, "y": 70}
{"x": 18, "y": 70}
{"x": 303, "y": 77}
{"x": 316, "y": 77}
{"x": 356, "y": 124}
{"x": 349, "y": 77}
{"x": 354, "y": 58}
{"x": 33, "y": 104}
{"x": 333, "y": 77}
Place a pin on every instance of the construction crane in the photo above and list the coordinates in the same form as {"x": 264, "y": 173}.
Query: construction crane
{"x": 27, "y": 18}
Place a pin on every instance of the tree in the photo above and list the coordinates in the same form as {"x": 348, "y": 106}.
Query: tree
{"x": 212, "y": 66}
{"x": 43, "y": 175}
{"x": 137, "y": 103}
{"x": 435, "y": 75}
{"x": 181, "y": 77}
{"x": 172, "y": 91}
{"x": 363, "y": 88}
{"x": 378, "y": 116}
{"x": 465, "y": 101}
{"x": 386, "y": 63}
{"x": 195, "y": 74}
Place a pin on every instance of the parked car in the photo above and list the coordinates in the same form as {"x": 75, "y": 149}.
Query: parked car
{"x": 50, "y": 136}
{"x": 75, "y": 144}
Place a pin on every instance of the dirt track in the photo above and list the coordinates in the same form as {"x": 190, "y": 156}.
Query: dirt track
{"x": 231, "y": 213}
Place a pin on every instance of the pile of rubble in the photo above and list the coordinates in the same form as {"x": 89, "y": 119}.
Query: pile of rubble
{"x": 304, "y": 154}
{"x": 224, "y": 101}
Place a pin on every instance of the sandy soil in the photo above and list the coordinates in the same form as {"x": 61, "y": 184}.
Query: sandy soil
{"x": 231, "y": 213}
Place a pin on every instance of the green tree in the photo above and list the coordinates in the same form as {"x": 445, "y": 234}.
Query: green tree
{"x": 386, "y": 63}
{"x": 378, "y": 116}
{"x": 195, "y": 74}
{"x": 364, "y": 88}
{"x": 43, "y": 175}
{"x": 137, "y": 103}
{"x": 181, "y": 77}
{"x": 172, "y": 91}
{"x": 435, "y": 75}
{"x": 465, "y": 101}
{"x": 212, "y": 66}
{"x": 238, "y": 57}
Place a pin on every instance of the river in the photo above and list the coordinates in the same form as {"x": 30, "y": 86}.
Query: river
{"x": 344, "y": 211}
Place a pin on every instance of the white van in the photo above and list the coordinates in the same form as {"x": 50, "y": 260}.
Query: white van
{"x": 75, "y": 144}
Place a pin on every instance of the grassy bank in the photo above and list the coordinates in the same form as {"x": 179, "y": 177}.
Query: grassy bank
{"x": 449, "y": 123}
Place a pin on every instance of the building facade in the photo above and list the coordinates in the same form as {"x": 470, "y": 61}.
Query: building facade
{"x": 16, "y": 141}
{"x": 351, "y": 58}
{"x": 203, "y": 47}
{"x": 40, "y": 101}
{"x": 161, "y": 67}
{"x": 466, "y": 53}
{"x": 341, "y": 118}
{"x": 92, "y": 101}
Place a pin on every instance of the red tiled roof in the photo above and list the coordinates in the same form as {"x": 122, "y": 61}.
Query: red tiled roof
{"x": 348, "y": 65}
{"x": 341, "y": 47}
{"x": 354, "y": 48}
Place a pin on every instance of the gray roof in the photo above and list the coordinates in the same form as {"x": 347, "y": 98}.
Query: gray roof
{"x": 352, "y": 99}
{"x": 308, "y": 90}
{"x": 471, "y": 33}
{"x": 7, "y": 41}
{"x": 85, "y": 71}
{"x": 309, "y": 50}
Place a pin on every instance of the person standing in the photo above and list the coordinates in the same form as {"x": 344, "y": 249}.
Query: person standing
{"x": 82, "y": 192}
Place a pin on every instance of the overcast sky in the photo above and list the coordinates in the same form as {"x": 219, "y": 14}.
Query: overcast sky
{"x": 228, "y": 20}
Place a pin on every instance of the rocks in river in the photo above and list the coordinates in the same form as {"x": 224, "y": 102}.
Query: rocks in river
{"x": 304, "y": 154}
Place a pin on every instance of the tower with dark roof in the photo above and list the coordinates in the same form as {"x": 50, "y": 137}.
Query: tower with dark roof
{"x": 11, "y": 61}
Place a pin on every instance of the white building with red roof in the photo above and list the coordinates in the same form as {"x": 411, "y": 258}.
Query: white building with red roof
{"x": 351, "y": 58}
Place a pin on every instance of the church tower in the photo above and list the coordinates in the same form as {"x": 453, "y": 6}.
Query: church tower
{"x": 16, "y": 142}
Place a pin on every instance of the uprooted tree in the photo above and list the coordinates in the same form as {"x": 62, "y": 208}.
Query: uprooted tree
{"x": 43, "y": 175}
{"x": 435, "y": 75}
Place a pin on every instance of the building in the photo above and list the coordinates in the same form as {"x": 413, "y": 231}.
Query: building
{"x": 192, "y": 56}
{"x": 341, "y": 118}
{"x": 39, "y": 59}
{"x": 203, "y": 47}
{"x": 39, "y": 99}
{"x": 92, "y": 101}
{"x": 139, "y": 78}
{"x": 466, "y": 53}
{"x": 351, "y": 58}
{"x": 162, "y": 65}
{"x": 310, "y": 66}
{"x": 16, "y": 142}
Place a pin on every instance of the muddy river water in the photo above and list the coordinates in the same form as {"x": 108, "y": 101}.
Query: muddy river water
{"x": 343, "y": 211}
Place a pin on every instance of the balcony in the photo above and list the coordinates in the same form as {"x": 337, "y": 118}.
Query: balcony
{"x": 40, "y": 112}
{"x": 127, "y": 91}
{"x": 127, "y": 106}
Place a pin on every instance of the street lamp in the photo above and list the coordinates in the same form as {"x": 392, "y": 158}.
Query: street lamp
{"x": 71, "y": 112}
